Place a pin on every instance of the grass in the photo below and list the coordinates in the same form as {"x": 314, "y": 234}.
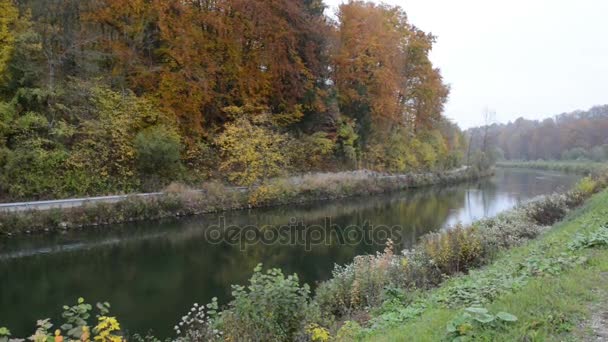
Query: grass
{"x": 553, "y": 299}
{"x": 573, "y": 166}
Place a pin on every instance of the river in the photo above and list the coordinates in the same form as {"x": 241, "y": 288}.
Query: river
{"x": 152, "y": 272}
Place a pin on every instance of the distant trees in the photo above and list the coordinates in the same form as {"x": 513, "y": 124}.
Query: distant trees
{"x": 114, "y": 94}
{"x": 576, "y": 135}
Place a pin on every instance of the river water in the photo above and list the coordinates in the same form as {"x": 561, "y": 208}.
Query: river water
{"x": 152, "y": 272}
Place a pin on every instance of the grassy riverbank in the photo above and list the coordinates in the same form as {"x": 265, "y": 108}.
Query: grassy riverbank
{"x": 559, "y": 295}
{"x": 583, "y": 167}
{"x": 213, "y": 197}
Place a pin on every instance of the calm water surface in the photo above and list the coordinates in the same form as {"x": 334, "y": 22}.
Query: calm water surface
{"x": 153, "y": 272}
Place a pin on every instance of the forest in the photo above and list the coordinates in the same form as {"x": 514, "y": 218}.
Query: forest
{"x": 113, "y": 96}
{"x": 580, "y": 135}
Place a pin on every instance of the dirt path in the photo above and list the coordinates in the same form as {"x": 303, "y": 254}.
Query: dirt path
{"x": 597, "y": 326}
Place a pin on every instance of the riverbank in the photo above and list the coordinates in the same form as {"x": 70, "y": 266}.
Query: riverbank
{"x": 553, "y": 288}
{"x": 178, "y": 201}
{"x": 582, "y": 167}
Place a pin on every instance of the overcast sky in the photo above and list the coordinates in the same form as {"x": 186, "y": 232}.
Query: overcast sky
{"x": 530, "y": 58}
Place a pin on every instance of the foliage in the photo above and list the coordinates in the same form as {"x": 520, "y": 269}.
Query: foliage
{"x": 599, "y": 238}
{"x": 310, "y": 152}
{"x": 318, "y": 333}
{"x": 473, "y": 319}
{"x": 124, "y": 97}
{"x": 454, "y": 251}
{"x": 77, "y": 326}
{"x": 28, "y": 172}
{"x": 106, "y": 328}
{"x": 8, "y": 17}
{"x": 158, "y": 151}
{"x": 356, "y": 285}
{"x": 349, "y": 331}
{"x": 271, "y": 308}
{"x": 586, "y": 185}
{"x": 199, "y": 323}
{"x": 548, "y": 210}
{"x": 5, "y": 334}
{"x": 250, "y": 152}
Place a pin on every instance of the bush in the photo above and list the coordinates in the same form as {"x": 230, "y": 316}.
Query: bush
{"x": 77, "y": 326}
{"x": 455, "y": 250}
{"x": 272, "y": 308}
{"x": 586, "y": 186}
{"x": 158, "y": 151}
{"x": 507, "y": 230}
{"x": 34, "y": 173}
{"x": 250, "y": 152}
{"x": 548, "y": 210}
{"x": 356, "y": 285}
{"x": 311, "y": 152}
{"x": 273, "y": 193}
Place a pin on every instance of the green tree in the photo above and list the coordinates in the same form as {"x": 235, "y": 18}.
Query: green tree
{"x": 158, "y": 151}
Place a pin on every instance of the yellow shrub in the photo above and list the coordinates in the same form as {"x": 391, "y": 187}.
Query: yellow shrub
{"x": 270, "y": 193}
{"x": 105, "y": 330}
{"x": 586, "y": 185}
{"x": 318, "y": 333}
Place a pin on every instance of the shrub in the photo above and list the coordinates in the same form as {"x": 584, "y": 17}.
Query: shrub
{"x": 349, "y": 332}
{"x": 586, "y": 185}
{"x": 275, "y": 192}
{"x": 158, "y": 151}
{"x": 455, "y": 250}
{"x": 271, "y": 308}
{"x": 507, "y": 230}
{"x": 548, "y": 210}
{"x": 77, "y": 326}
{"x": 318, "y": 333}
{"x": 34, "y": 172}
{"x": 250, "y": 152}
{"x": 356, "y": 285}
{"x": 199, "y": 324}
{"x": 311, "y": 152}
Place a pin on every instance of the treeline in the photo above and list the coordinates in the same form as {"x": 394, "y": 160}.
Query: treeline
{"x": 580, "y": 135}
{"x": 106, "y": 96}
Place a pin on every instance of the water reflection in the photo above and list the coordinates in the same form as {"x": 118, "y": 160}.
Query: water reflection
{"x": 152, "y": 272}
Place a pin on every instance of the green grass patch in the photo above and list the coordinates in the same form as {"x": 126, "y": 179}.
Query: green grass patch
{"x": 583, "y": 167}
{"x": 548, "y": 285}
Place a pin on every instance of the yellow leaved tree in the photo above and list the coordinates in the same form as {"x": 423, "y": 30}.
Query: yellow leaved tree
{"x": 251, "y": 152}
{"x": 8, "y": 17}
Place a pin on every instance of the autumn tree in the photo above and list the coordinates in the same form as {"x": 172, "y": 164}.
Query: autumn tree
{"x": 8, "y": 17}
{"x": 367, "y": 62}
{"x": 250, "y": 151}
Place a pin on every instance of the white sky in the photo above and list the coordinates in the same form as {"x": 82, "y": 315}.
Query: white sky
{"x": 530, "y": 58}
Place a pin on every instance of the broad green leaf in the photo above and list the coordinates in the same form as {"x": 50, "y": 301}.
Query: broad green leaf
{"x": 507, "y": 317}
